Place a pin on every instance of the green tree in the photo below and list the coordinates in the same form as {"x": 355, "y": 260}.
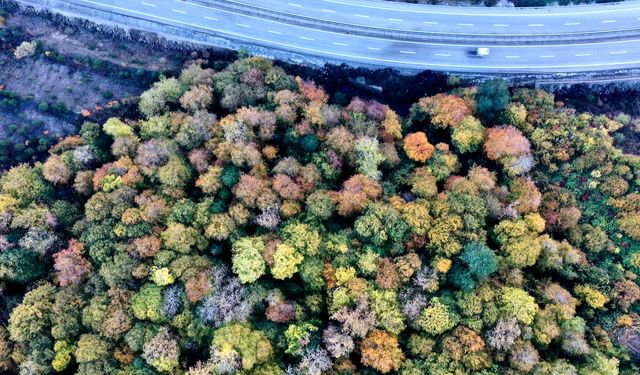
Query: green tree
{"x": 247, "y": 259}
{"x": 468, "y": 136}
{"x": 92, "y": 348}
{"x": 156, "y": 100}
{"x": 251, "y": 345}
{"x": 438, "y": 317}
{"x": 286, "y": 260}
{"x": 492, "y": 97}
{"x": 25, "y": 184}
{"x": 147, "y": 303}
{"x": 519, "y": 304}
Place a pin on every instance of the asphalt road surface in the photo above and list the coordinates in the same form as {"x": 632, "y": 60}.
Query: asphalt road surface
{"x": 550, "y": 39}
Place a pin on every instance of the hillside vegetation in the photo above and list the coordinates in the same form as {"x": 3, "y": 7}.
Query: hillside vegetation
{"x": 246, "y": 225}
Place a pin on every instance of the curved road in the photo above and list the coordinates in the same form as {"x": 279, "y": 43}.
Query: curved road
{"x": 410, "y": 36}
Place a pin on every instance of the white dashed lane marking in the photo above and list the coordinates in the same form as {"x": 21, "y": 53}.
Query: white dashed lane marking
{"x": 178, "y": 11}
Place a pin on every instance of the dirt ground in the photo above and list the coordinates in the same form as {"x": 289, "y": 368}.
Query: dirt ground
{"x": 71, "y": 40}
{"x": 43, "y": 80}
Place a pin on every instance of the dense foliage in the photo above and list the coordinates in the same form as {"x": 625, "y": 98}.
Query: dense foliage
{"x": 247, "y": 226}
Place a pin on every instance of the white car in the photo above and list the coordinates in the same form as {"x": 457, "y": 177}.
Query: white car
{"x": 482, "y": 52}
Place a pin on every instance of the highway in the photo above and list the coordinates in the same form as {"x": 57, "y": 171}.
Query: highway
{"x": 412, "y": 36}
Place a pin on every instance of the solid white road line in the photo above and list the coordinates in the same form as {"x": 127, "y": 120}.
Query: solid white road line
{"x": 515, "y": 12}
{"x": 179, "y": 11}
{"x": 356, "y": 57}
{"x": 355, "y": 24}
{"x": 372, "y": 38}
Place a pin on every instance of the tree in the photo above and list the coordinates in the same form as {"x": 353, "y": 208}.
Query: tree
{"x": 156, "y": 100}
{"x": 247, "y": 259}
{"x": 116, "y": 128}
{"x": 252, "y": 346}
{"x": 519, "y": 304}
{"x": 20, "y": 266}
{"x": 337, "y": 343}
{"x": 510, "y": 148}
{"x": 30, "y": 319}
{"x": 384, "y": 227}
{"x": 438, "y": 317}
{"x": 162, "y": 352}
{"x": 25, "y": 184}
{"x": 25, "y": 49}
{"x": 286, "y": 260}
{"x": 196, "y": 98}
{"x": 468, "y": 136}
{"x": 71, "y": 267}
{"x": 443, "y": 110}
{"x": 56, "y": 171}
{"x": 381, "y": 350}
{"x": 368, "y": 157}
{"x": 479, "y": 263}
{"x": 356, "y": 193}
{"x": 147, "y": 303}
{"x": 417, "y": 147}
{"x": 491, "y": 99}
{"x": 91, "y": 348}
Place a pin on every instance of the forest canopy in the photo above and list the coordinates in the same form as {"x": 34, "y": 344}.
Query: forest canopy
{"x": 247, "y": 224}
